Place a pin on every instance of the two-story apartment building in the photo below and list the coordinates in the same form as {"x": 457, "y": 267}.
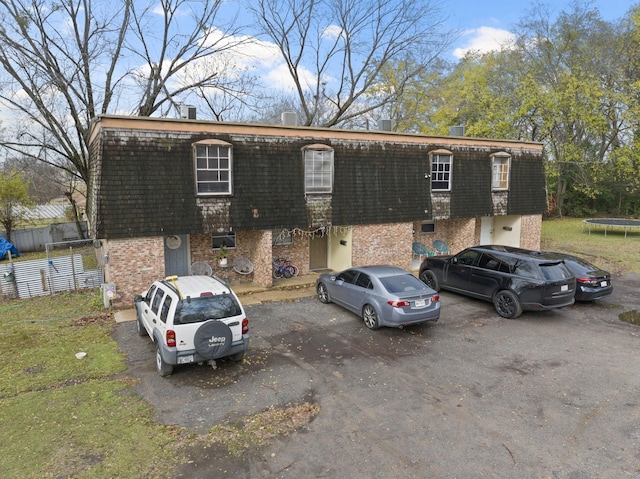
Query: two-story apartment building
{"x": 169, "y": 192}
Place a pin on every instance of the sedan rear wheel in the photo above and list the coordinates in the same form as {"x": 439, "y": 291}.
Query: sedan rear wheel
{"x": 507, "y": 304}
{"x": 370, "y": 317}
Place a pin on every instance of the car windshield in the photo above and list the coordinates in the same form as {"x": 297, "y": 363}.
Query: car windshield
{"x": 402, "y": 283}
{"x": 198, "y": 310}
{"x": 555, "y": 271}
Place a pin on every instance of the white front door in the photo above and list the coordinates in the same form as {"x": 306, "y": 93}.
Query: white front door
{"x": 486, "y": 230}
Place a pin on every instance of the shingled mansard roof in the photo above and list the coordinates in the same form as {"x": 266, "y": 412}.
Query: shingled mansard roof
{"x": 143, "y": 179}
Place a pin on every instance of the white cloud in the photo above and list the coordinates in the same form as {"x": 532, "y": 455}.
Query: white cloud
{"x": 332, "y": 31}
{"x": 485, "y": 39}
{"x": 277, "y": 77}
{"x": 262, "y": 58}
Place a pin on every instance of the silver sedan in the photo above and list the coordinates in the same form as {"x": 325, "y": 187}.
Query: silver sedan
{"x": 381, "y": 295}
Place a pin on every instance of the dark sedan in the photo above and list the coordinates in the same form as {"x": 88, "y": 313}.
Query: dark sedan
{"x": 591, "y": 282}
{"x": 381, "y": 295}
{"x": 514, "y": 279}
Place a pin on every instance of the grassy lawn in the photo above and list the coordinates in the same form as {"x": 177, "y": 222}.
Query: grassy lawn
{"x": 66, "y": 417}
{"x": 613, "y": 252}
{"x": 61, "y": 416}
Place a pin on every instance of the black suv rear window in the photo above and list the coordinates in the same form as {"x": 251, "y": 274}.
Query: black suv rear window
{"x": 198, "y": 310}
{"x": 554, "y": 271}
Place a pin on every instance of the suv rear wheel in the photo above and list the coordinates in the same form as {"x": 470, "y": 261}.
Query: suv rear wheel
{"x": 140, "y": 327}
{"x": 164, "y": 369}
{"x": 507, "y": 304}
{"x": 237, "y": 357}
{"x": 429, "y": 278}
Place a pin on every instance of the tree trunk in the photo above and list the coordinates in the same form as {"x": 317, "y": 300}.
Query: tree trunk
{"x": 74, "y": 209}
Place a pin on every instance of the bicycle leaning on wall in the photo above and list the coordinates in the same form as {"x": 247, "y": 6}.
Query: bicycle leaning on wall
{"x": 282, "y": 268}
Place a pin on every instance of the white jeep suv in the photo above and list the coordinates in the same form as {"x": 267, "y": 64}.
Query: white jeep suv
{"x": 192, "y": 319}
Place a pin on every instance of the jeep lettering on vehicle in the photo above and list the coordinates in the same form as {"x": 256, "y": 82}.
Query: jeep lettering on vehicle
{"x": 201, "y": 311}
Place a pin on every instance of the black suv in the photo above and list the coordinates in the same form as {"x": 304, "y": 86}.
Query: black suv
{"x": 514, "y": 279}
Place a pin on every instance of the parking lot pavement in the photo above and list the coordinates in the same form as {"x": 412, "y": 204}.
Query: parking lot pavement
{"x": 549, "y": 395}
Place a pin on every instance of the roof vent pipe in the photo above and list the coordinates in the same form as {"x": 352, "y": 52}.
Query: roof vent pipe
{"x": 289, "y": 118}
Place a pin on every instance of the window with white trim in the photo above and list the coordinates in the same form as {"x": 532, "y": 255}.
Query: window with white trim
{"x": 500, "y": 166}
{"x": 213, "y": 167}
{"x": 318, "y": 169}
{"x": 441, "y": 163}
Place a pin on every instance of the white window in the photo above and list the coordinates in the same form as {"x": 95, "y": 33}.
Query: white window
{"x": 441, "y": 171}
{"x": 213, "y": 168}
{"x": 500, "y": 171}
{"x": 318, "y": 169}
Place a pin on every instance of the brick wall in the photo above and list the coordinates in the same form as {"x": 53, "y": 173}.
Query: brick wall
{"x": 254, "y": 245}
{"x": 260, "y": 244}
{"x": 531, "y": 232}
{"x": 297, "y": 252}
{"x": 133, "y": 265}
{"x": 458, "y": 233}
{"x": 382, "y": 244}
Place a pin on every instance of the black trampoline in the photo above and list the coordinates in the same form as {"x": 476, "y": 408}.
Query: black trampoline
{"x": 610, "y": 223}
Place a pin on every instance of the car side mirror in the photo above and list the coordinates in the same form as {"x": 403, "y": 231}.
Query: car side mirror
{"x": 333, "y": 278}
{"x": 137, "y": 298}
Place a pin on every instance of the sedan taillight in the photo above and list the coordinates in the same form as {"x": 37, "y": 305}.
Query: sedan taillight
{"x": 404, "y": 304}
{"x": 170, "y": 338}
{"x": 398, "y": 304}
{"x": 587, "y": 281}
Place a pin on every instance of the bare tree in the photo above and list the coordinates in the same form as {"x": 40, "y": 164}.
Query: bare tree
{"x": 63, "y": 62}
{"x": 335, "y": 50}
{"x": 234, "y": 96}
{"x": 176, "y": 63}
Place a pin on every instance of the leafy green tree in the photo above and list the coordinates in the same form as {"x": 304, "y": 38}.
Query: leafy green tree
{"x": 14, "y": 201}
{"x": 572, "y": 83}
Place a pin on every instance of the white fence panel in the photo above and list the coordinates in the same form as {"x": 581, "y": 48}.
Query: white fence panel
{"x": 42, "y": 276}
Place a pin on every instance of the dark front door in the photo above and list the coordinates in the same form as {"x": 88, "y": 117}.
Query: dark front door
{"x": 318, "y": 247}
{"x": 176, "y": 260}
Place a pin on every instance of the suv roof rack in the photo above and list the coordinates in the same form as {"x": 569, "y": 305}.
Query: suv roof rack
{"x": 171, "y": 282}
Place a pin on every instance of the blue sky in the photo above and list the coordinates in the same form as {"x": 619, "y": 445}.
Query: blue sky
{"x": 486, "y": 22}
{"x": 484, "y": 25}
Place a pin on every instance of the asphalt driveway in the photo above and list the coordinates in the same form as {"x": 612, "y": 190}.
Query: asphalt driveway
{"x": 549, "y": 395}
